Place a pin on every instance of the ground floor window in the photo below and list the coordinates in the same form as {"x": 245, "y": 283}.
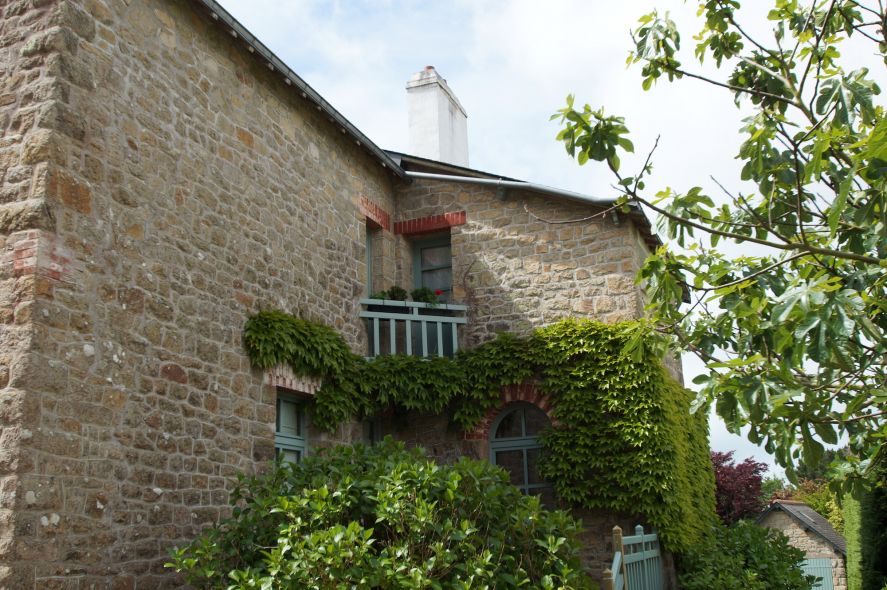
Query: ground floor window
{"x": 290, "y": 438}
{"x": 515, "y": 447}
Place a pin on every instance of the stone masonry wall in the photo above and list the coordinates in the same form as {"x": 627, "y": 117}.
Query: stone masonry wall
{"x": 175, "y": 185}
{"x": 30, "y": 65}
{"x": 810, "y": 543}
{"x": 515, "y": 270}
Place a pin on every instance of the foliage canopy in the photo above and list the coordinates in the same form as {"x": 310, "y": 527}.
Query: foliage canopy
{"x": 743, "y": 556}
{"x": 623, "y": 439}
{"x": 737, "y": 487}
{"x": 792, "y": 330}
{"x": 384, "y": 517}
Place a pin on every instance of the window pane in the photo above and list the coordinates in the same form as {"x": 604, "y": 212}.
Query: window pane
{"x": 546, "y": 497}
{"x": 532, "y": 466}
{"x": 537, "y": 421}
{"x": 440, "y": 279}
{"x": 513, "y": 463}
{"x": 291, "y": 456}
{"x": 510, "y": 426}
{"x": 436, "y": 256}
{"x": 289, "y": 418}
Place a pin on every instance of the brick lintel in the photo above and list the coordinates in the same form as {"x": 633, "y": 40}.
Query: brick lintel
{"x": 424, "y": 225}
{"x": 377, "y": 216}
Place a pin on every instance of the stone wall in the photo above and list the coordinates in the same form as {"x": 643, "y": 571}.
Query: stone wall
{"x": 32, "y": 35}
{"x": 516, "y": 269}
{"x": 810, "y": 543}
{"x": 167, "y": 186}
{"x": 158, "y": 184}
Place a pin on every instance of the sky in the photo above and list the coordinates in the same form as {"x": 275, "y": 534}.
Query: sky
{"x": 511, "y": 64}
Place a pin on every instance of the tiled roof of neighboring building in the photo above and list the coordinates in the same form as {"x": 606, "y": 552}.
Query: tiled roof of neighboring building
{"x": 810, "y": 520}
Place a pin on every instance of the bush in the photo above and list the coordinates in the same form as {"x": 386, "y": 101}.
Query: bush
{"x": 743, "y": 556}
{"x": 384, "y": 517}
{"x": 737, "y": 487}
{"x": 873, "y": 531}
{"x": 852, "y": 524}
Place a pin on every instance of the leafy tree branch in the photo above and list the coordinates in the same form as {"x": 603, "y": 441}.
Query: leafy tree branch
{"x": 795, "y": 343}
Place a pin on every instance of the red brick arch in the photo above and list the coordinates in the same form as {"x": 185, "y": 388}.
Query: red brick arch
{"x": 525, "y": 392}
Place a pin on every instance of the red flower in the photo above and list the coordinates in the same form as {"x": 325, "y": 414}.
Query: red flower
{"x": 438, "y": 292}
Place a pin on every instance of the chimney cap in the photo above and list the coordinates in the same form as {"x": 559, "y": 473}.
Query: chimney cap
{"x": 429, "y": 76}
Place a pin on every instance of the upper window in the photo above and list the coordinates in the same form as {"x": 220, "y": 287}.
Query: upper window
{"x": 433, "y": 265}
{"x": 290, "y": 438}
{"x": 372, "y": 233}
{"x": 515, "y": 447}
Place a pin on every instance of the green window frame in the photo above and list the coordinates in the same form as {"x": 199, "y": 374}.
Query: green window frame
{"x": 420, "y": 270}
{"x": 290, "y": 428}
{"x": 515, "y": 446}
{"x": 371, "y": 234}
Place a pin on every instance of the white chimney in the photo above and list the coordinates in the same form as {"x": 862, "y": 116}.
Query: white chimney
{"x": 438, "y": 123}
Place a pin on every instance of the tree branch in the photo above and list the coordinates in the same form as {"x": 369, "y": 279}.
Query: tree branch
{"x": 753, "y": 275}
{"x": 738, "y": 237}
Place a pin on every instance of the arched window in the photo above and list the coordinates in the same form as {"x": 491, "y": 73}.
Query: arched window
{"x": 515, "y": 447}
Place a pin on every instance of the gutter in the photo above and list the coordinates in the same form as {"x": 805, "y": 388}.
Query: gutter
{"x": 274, "y": 63}
{"x": 503, "y": 185}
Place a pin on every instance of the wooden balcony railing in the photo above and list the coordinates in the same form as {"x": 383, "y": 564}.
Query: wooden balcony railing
{"x": 408, "y": 327}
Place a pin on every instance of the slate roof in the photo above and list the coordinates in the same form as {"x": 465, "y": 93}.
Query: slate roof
{"x": 810, "y": 520}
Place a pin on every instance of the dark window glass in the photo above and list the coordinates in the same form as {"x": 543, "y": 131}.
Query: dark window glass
{"x": 513, "y": 463}
{"x": 510, "y": 426}
{"x": 536, "y": 421}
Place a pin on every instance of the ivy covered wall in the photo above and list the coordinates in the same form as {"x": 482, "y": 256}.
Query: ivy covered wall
{"x": 623, "y": 440}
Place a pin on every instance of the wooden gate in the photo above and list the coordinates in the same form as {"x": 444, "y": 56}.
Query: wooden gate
{"x": 637, "y": 563}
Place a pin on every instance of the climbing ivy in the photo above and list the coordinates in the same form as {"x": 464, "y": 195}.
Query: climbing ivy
{"x": 623, "y": 439}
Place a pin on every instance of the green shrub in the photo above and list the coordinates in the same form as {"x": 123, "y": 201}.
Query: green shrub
{"x": 873, "y": 531}
{"x": 624, "y": 439}
{"x": 384, "y": 517}
{"x": 852, "y": 524}
{"x": 743, "y": 556}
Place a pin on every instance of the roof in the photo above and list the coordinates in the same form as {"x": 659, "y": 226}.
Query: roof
{"x": 274, "y": 63}
{"x": 810, "y": 520}
{"x": 393, "y": 161}
{"x": 410, "y": 162}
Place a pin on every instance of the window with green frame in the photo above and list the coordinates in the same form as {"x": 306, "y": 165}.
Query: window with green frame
{"x": 372, "y": 233}
{"x": 290, "y": 437}
{"x": 515, "y": 446}
{"x": 433, "y": 265}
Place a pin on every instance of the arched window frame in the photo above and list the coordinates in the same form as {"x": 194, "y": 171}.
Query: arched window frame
{"x": 519, "y": 443}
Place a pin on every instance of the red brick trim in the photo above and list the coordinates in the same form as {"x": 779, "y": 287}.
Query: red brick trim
{"x": 37, "y": 252}
{"x": 373, "y": 212}
{"x": 283, "y": 376}
{"x": 428, "y": 224}
{"x": 525, "y": 392}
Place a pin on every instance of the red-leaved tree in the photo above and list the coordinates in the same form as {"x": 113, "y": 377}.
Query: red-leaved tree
{"x": 738, "y": 487}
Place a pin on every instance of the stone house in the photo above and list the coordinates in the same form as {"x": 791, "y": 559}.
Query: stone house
{"x": 163, "y": 176}
{"x": 810, "y": 532}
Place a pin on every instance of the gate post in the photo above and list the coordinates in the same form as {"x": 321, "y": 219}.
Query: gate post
{"x": 608, "y": 579}
{"x": 617, "y": 546}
